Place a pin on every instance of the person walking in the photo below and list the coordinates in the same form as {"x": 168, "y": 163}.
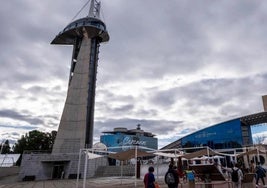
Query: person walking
{"x": 171, "y": 177}
{"x": 260, "y": 174}
{"x": 236, "y": 175}
{"x": 149, "y": 178}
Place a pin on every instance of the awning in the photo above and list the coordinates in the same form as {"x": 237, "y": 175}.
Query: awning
{"x": 129, "y": 154}
{"x": 255, "y": 119}
{"x": 170, "y": 155}
{"x": 8, "y": 160}
{"x": 251, "y": 152}
{"x": 94, "y": 156}
{"x": 200, "y": 153}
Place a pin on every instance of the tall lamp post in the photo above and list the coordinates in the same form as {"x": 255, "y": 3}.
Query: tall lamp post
{"x": 137, "y": 162}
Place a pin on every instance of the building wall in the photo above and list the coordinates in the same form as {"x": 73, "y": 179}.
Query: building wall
{"x": 41, "y": 166}
{"x": 8, "y": 171}
{"x": 264, "y": 101}
{"x": 229, "y": 134}
{"x": 122, "y": 141}
{"x": 224, "y": 135}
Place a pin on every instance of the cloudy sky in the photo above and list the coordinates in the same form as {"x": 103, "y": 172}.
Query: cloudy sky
{"x": 172, "y": 66}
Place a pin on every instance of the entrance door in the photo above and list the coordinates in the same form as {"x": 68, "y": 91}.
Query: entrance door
{"x": 58, "y": 172}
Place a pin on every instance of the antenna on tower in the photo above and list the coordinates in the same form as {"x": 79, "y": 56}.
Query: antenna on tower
{"x": 94, "y": 11}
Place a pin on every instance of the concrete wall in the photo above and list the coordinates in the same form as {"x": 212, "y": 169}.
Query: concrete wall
{"x": 8, "y": 171}
{"x": 72, "y": 132}
{"x": 42, "y": 165}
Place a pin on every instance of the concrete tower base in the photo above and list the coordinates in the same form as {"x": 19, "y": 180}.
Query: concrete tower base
{"x": 71, "y": 133}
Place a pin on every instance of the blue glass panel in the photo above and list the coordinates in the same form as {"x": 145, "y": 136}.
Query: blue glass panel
{"x": 224, "y": 135}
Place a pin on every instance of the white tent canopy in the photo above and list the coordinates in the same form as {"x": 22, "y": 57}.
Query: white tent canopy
{"x": 8, "y": 160}
{"x": 93, "y": 155}
{"x": 170, "y": 155}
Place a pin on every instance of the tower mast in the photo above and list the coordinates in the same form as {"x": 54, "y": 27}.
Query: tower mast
{"x": 77, "y": 120}
{"x": 94, "y": 10}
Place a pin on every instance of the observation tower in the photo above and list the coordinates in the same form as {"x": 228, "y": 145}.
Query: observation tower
{"x": 77, "y": 121}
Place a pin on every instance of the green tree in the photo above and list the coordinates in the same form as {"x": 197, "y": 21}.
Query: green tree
{"x": 5, "y": 147}
{"x": 259, "y": 139}
{"x": 35, "y": 140}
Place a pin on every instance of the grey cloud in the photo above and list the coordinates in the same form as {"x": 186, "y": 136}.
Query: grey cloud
{"x": 126, "y": 102}
{"x": 124, "y": 108}
{"x": 27, "y": 30}
{"x": 184, "y": 47}
{"x": 165, "y": 98}
{"x": 12, "y": 138}
{"x": 46, "y": 91}
{"x": 25, "y": 127}
{"x": 213, "y": 99}
{"x": 18, "y": 116}
{"x": 37, "y": 89}
{"x": 52, "y": 124}
{"x": 149, "y": 112}
{"x": 110, "y": 96}
{"x": 154, "y": 126}
{"x": 114, "y": 111}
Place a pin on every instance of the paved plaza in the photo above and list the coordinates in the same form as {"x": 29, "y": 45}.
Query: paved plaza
{"x": 104, "y": 182}
{"x": 90, "y": 183}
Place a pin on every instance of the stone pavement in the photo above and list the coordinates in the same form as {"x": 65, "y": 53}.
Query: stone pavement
{"x": 104, "y": 182}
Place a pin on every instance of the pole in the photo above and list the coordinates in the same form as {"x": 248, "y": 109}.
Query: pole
{"x": 235, "y": 157}
{"x": 121, "y": 170}
{"x": 135, "y": 165}
{"x": 78, "y": 169}
{"x": 85, "y": 169}
{"x": 258, "y": 154}
{"x": 157, "y": 167}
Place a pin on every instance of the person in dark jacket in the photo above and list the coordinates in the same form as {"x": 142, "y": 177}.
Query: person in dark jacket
{"x": 260, "y": 174}
{"x": 174, "y": 180}
{"x": 149, "y": 178}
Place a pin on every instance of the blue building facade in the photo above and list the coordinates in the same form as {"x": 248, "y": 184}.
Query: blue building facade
{"x": 122, "y": 139}
{"x": 235, "y": 133}
{"x": 221, "y": 136}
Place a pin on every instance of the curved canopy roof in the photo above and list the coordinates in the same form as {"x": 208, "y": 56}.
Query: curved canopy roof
{"x": 254, "y": 119}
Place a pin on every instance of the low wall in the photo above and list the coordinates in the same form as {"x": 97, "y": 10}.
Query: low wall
{"x": 45, "y": 166}
{"x": 159, "y": 169}
{"x": 8, "y": 171}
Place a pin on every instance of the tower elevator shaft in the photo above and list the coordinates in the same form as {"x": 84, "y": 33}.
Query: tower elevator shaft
{"x": 77, "y": 121}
